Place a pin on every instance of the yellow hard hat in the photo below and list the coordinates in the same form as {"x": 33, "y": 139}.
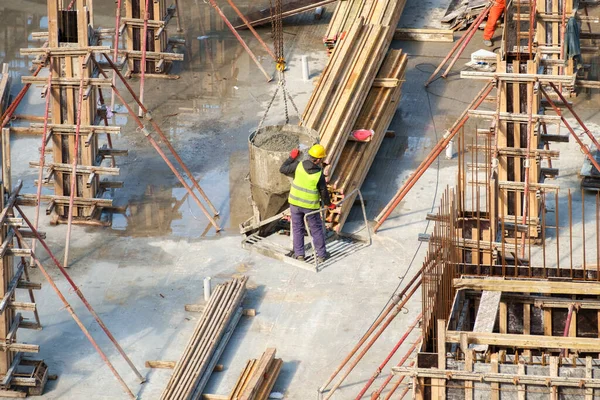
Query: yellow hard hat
{"x": 317, "y": 151}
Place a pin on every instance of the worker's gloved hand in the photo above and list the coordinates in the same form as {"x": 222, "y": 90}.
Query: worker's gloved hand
{"x": 294, "y": 153}
{"x": 332, "y": 206}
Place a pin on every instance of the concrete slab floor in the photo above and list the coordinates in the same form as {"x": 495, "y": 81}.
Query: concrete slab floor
{"x": 141, "y": 272}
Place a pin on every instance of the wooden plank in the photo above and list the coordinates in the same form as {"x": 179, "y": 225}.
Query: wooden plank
{"x": 258, "y": 376}
{"x": 529, "y": 286}
{"x": 424, "y": 35}
{"x": 525, "y": 341}
{"x": 160, "y": 364}
{"x": 486, "y": 315}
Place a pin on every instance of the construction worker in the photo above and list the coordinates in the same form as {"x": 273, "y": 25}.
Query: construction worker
{"x": 307, "y": 188}
{"x": 493, "y": 17}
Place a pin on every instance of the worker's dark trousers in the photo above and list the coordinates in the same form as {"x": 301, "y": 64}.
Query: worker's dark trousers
{"x": 299, "y": 230}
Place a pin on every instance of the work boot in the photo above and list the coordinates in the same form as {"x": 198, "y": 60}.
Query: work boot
{"x": 299, "y": 258}
{"x": 322, "y": 259}
{"x": 487, "y": 43}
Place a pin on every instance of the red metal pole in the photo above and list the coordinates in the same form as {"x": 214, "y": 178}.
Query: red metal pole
{"x": 435, "y": 152}
{"x": 563, "y": 352}
{"x": 389, "y": 356}
{"x": 10, "y": 110}
{"x": 570, "y": 129}
{"x": 395, "y": 300}
{"x": 72, "y": 312}
{"x": 116, "y": 51}
{"x": 143, "y": 61}
{"x": 160, "y": 132}
{"x": 393, "y": 389}
{"x": 572, "y": 111}
{"x": 75, "y": 155}
{"x": 375, "y": 395}
{"x": 445, "y": 60}
{"x": 80, "y": 295}
{"x": 158, "y": 149}
{"x": 249, "y": 26}
{"x": 397, "y": 309}
{"x": 239, "y": 38}
{"x": 470, "y": 35}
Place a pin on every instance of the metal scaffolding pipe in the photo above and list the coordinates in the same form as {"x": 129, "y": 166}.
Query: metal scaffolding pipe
{"x": 394, "y": 300}
{"x": 393, "y": 315}
{"x": 435, "y": 152}
{"x": 389, "y": 356}
{"x": 570, "y": 129}
{"x": 74, "y": 315}
{"x": 469, "y": 35}
{"x": 572, "y": 111}
{"x": 375, "y": 395}
{"x": 10, "y": 110}
{"x": 159, "y": 150}
{"x": 162, "y": 135}
{"x": 80, "y": 295}
{"x": 239, "y": 38}
{"x": 249, "y": 26}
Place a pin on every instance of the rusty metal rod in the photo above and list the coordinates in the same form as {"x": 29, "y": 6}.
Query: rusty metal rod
{"x": 159, "y": 150}
{"x": 389, "y": 320}
{"x": 43, "y": 151}
{"x": 375, "y": 395}
{"x": 73, "y": 314}
{"x": 435, "y": 152}
{"x": 394, "y": 300}
{"x": 116, "y": 51}
{"x": 454, "y": 48}
{"x": 75, "y": 155}
{"x": 249, "y": 26}
{"x": 239, "y": 38}
{"x": 389, "y": 356}
{"x": 80, "y": 295}
{"x": 572, "y": 111}
{"x": 143, "y": 60}
{"x": 469, "y": 35}
{"x": 162, "y": 135}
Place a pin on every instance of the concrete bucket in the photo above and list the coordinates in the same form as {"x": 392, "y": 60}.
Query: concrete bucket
{"x": 269, "y": 147}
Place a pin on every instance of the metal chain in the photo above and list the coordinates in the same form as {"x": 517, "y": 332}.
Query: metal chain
{"x": 262, "y": 121}
{"x": 276, "y": 11}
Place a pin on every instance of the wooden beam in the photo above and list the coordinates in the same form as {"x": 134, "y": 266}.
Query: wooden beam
{"x": 491, "y": 377}
{"x": 529, "y": 286}
{"x": 513, "y": 117}
{"x": 525, "y": 341}
{"x": 424, "y": 35}
{"x": 512, "y": 77}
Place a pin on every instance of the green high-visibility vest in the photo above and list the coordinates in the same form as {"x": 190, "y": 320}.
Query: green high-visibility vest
{"x": 304, "y": 191}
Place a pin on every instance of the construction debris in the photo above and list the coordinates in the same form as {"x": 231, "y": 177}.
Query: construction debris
{"x": 208, "y": 341}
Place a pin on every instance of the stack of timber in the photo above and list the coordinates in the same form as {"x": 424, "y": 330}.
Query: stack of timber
{"x": 386, "y": 13}
{"x": 339, "y": 98}
{"x": 209, "y": 339}
{"x": 376, "y": 115}
{"x": 257, "y": 378}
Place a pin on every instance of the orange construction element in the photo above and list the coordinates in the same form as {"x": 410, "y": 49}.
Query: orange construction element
{"x": 495, "y": 13}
